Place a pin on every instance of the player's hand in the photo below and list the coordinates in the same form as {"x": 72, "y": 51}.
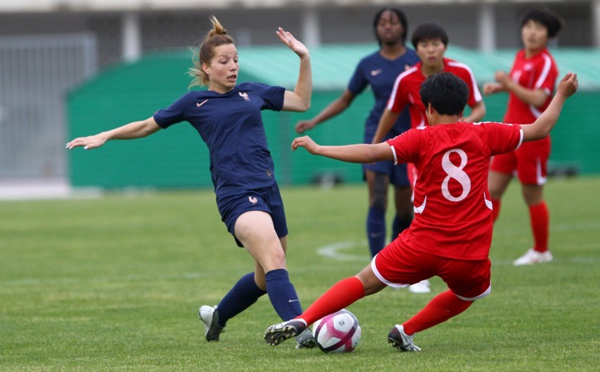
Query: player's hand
{"x": 306, "y": 142}
{"x": 300, "y": 49}
{"x": 491, "y": 88}
{"x": 90, "y": 142}
{"x": 568, "y": 85}
{"x": 501, "y": 77}
{"x": 304, "y": 125}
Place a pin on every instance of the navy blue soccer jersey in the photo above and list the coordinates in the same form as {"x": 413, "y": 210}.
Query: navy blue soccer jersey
{"x": 231, "y": 126}
{"x": 380, "y": 74}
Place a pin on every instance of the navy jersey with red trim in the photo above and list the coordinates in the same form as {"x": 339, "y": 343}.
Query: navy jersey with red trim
{"x": 452, "y": 202}
{"x": 380, "y": 73}
{"x": 231, "y": 126}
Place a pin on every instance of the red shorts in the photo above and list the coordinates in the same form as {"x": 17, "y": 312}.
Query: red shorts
{"x": 398, "y": 265}
{"x": 528, "y": 161}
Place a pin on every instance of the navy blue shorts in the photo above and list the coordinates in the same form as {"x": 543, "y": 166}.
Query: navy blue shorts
{"x": 266, "y": 199}
{"x": 397, "y": 173}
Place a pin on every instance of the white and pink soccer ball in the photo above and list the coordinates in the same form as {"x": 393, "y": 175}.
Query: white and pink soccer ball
{"x": 338, "y": 332}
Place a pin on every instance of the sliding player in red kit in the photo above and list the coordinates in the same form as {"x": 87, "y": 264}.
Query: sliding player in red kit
{"x": 451, "y": 234}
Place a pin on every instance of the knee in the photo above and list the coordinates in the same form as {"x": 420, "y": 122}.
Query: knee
{"x": 378, "y": 200}
{"x": 274, "y": 260}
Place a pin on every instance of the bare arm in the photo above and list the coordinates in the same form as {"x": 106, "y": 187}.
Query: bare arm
{"x": 299, "y": 99}
{"x": 492, "y": 88}
{"x": 133, "y": 130}
{"x": 386, "y": 123}
{"x": 477, "y": 113}
{"x": 535, "y": 97}
{"x": 333, "y": 109}
{"x": 544, "y": 124}
{"x": 359, "y": 153}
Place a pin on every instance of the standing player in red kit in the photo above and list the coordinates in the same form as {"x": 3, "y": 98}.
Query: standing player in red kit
{"x": 451, "y": 234}
{"x": 530, "y": 85}
{"x": 430, "y": 41}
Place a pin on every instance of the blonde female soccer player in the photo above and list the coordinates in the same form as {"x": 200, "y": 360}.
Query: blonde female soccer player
{"x": 228, "y": 118}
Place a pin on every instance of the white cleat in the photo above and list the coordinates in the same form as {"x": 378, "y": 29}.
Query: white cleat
{"x": 532, "y": 257}
{"x": 420, "y": 287}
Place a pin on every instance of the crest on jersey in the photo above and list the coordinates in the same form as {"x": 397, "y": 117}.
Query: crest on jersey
{"x": 244, "y": 96}
{"x": 253, "y": 200}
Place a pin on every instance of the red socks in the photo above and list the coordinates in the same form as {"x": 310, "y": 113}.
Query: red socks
{"x": 441, "y": 308}
{"x": 342, "y": 294}
{"x": 540, "y": 221}
{"x": 347, "y": 291}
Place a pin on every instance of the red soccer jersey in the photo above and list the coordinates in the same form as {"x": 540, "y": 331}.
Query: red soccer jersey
{"x": 537, "y": 72}
{"x": 407, "y": 86}
{"x": 453, "y": 209}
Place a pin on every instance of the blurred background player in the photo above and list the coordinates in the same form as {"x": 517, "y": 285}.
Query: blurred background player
{"x": 430, "y": 41}
{"x": 530, "y": 85}
{"x": 248, "y": 197}
{"x": 451, "y": 234}
{"x": 379, "y": 70}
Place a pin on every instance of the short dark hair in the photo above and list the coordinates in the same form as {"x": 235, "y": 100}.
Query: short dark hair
{"x": 401, "y": 17}
{"x": 429, "y": 31}
{"x": 446, "y": 93}
{"x": 544, "y": 16}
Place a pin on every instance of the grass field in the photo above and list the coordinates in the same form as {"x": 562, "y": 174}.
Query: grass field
{"x": 115, "y": 283}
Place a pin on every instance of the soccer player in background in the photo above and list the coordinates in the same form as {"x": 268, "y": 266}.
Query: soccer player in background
{"x": 430, "y": 41}
{"x": 452, "y": 231}
{"x": 228, "y": 118}
{"x": 378, "y": 71}
{"x": 530, "y": 84}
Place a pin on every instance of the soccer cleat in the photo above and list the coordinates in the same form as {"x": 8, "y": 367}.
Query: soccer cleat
{"x": 532, "y": 257}
{"x": 277, "y": 333}
{"x": 420, "y": 287}
{"x": 210, "y": 318}
{"x": 306, "y": 340}
{"x": 401, "y": 340}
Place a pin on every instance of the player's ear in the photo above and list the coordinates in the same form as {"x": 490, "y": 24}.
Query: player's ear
{"x": 429, "y": 110}
{"x": 206, "y": 68}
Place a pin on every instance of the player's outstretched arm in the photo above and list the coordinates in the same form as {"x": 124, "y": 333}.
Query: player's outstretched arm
{"x": 334, "y": 108}
{"x": 358, "y": 153}
{"x": 535, "y": 97}
{"x": 477, "y": 113}
{"x": 299, "y": 99}
{"x": 386, "y": 123}
{"x": 133, "y": 130}
{"x": 544, "y": 124}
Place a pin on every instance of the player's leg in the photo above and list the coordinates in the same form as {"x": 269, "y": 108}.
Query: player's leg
{"x": 402, "y": 199}
{"x": 378, "y": 200}
{"x": 532, "y": 171}
{"x": 249, "y": 287}
{"x": 501, "y": 171}
{"x": 342, "y": 294}
{"x": 468, "y": 281}
{"x": 404, "y": 216}
{"x": 256, "y": 232}
{"x": 240, "y": 297}
{"x": 498, "y": 183}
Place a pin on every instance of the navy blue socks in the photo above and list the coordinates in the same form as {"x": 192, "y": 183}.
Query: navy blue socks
{"x": 399, "y": 225}
{"x": 376, "y": 229}
{"x": 243, "y": 294}
{"x": 282, "y": 294}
